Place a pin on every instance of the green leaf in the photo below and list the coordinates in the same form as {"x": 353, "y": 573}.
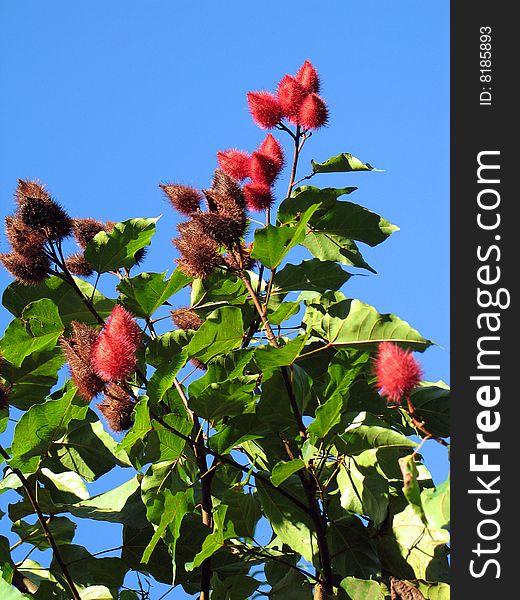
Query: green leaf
{"x": 335, "y": 248}
{"x": 219, "y": 288}
{"x": 229, "y": 398}
{"x": 146, "y": 292}
{"x": 111, "y": 251}
{"x": 283, "y": 470}
{"x": 362, "y": 589}
{"x": 433, "y": 591}
{"x": 411, "y": 487}
{"x": 222, "y": 331}
{"x": 363, "y": 491}
{"x": 292, "y": 586}
{"x": 32, "y": 381}
{"x": 313, "y": 275}
{"x": 37, "y": 330}
{"x": 168, "y": 356}
{"x": 353, "y": 551}
{"x": 344, "y": 322}
{"x": 244, "y": 511}
{"x": 175, "y": 507}
{"x": 436, "y": 504}
{"x": 42, "y": 425}
{"x": 69, "y": 482}
{"x": 272, "y": 243}
{"x": 61, "y": 528}
{"x": 306, "y": 197}
{"x": 432, "y": 405}
{"x": 283, "y": 311}
{"x": 8, "y": 592}
{"x": 237, "y": 430}
{"x": 327, "y": 416}
{"x": 70, "y": 306}
{"x": 269, "y": 357}
{"x": 215, "y": 540}
{"x": 368, "y": 431}
{"x": 288, "y": 521}
{"x": 86, "y": 570}
{"x": 342, "y": 163}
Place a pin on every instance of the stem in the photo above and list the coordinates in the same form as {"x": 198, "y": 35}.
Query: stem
{"x": 44, "y": 526}
{"x": 418, "y": 424}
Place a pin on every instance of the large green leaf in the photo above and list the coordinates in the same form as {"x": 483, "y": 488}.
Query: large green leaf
{"x": 222, "y": 331}
{"x": 283, "y": 470}
{"x": 306, "y": 197}
{"x": 327, "y": 416}
{"x": 336, "y": 248}
{"x": 342, "y": 163}
{"x": 313, "y": 275}
{"x": 268, "y": 357}
{"x": 436, "y": 504}
{"x": 222, "y": 530}
{"x": 32, "y": 381}
{"x": 8, "y": 592}
{"x": 229, "y": 398}
{"x": 111, "y": 251}
{"x": 345, "y": 322}
{"x": 362, "y": 589}
{"x": 367, "y": 432}
{"x": 289, "y": 522}
{"x": 219, "y": 288}
{"x": 42, "y": 425}
{"x": 70, "y": 306}
{"x": 37, "y": 330}
{"x": 272, "y": 243}
{"x": 61, "y": 528}
{"x": 432, "y": 405}
{"x": 411, "y": 486}
{"x": 146, "y": 292}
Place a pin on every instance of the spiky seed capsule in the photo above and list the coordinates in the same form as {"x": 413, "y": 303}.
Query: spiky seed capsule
{"x": 264, "y": 170}
{"x": 397, "y": 371}
{"x": 29, "y": 271}
{"x": 235, "y": 163}
{"x": 78, "y": 352}
{"x": 258, "y": 196}
{"x": 84, "y": 230}
{"x": 313, "y": 112}
{"x": 265, "y": 109}
{"x": 271, "y": 147}
{"x": 220, "y": 228}
{"x": 114, "y": 353}
{"x": 117, "y": 408}
{"x": 38, "y": 211}
{"x": 183, "y": 198}
{"x": 308, "y": 78}
{"x": 186, "y": 318}
{"x": 238, "y": 261}
{"x": 77, "y": 265}
{"x": 23, "y": 239}
{"x": 226, "y": 186}
{"x": 291, "y": 95}
{"x": 200, "y": 255}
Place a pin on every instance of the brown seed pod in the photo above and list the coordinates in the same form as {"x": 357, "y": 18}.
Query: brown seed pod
{"x": 199, "y": 254}
{"x": 23, "y": 239}
{"x": 29, "y": 271}
{"x": 85, "y": 229}
{"x": 117, "y": 408}
{"x": 77, "y": 265}
{"x": 183, "y": 198}
{"x": 226, "y": 186}
{"x": 186, "y": 318}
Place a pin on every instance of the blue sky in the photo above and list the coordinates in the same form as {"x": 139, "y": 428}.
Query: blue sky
{"x": 102, "y": 101}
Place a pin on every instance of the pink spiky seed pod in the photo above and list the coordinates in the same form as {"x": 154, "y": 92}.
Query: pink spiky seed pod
{"x": 397, "y": 371}
{"x": 264, "y": 170}
{"x": 40, "y": 212}
{"x": 183, "y": 198}
{"x": 26, "y": 270}
{"x": 77, "y": 265}
{"x": 272, "y": 148}
{"x": 23, "y": 239}
{"x": 235, "y": 163}
{"x": 258, "y": 196}
{"x": 265, "y": 109}
{"x": 117, "y": 408}
{"x": 186, "y": 318}
{"x": 291, "y": 96}
{"x": 78, "y": 353}
{"x": 114, "y": 353}
{"x": 308, "y": 78}
{"x": 313, "y": 112}
{"x": 85, "y": 230}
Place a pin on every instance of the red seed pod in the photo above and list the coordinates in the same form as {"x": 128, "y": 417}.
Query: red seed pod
{"x": 271, "y": 147}
{"x": 397, "y": 371}
{"x": 258, "y": 196}
{"x": 183, "y": 198}
{"x": 264, "y": 170}
{"x": 235, "y": 163}
{"x": 313, "y": 112}
{"x": 308, "y": 77}
{"x": 265, "y": 109}
{"x": 114, "y": 353}
{"x": 26, "y": 270}
{"x": 291, "y": 95}
{"x": 78, "y": 352}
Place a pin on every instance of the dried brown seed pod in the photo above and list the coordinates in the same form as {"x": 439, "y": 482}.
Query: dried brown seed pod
{"x": 77, "y": 265}
{"x": 186, "y": 318}
{"x": 29, "y": 271}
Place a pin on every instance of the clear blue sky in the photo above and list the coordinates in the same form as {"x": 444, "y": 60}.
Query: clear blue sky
{"x": 102, "y": 101}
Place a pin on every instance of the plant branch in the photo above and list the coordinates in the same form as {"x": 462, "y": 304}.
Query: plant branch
{"x": 43, "y": 523}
